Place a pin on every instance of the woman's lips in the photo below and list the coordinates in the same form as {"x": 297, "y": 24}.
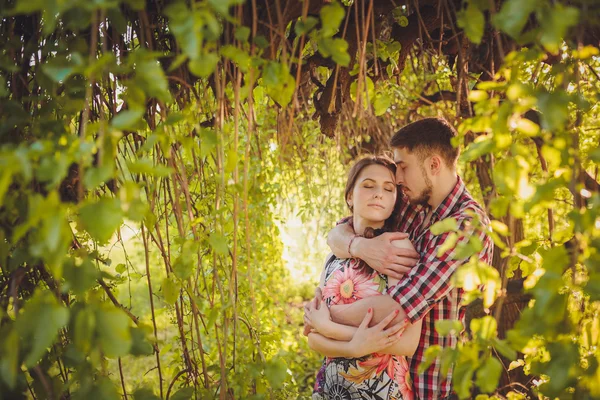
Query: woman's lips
{"x": 376, "y": 206}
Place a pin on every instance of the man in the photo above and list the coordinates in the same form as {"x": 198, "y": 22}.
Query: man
{"x": 433, "y": 191}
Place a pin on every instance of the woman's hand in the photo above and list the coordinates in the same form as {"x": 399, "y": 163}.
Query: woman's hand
{"x": 319, "y": 318}
{"x": 372, "y": 340}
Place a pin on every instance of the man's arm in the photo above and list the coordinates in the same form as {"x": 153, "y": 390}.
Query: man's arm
{"x": 378, "y": 253}
{"x": 417, "y": 292}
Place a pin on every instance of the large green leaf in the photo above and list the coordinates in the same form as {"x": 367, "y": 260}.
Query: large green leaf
{"x": 472, "y": 21}
{"x": 112, "y": 327}
{"x": 101, "y": 218}
{"x": 332, "y": 16}
{"x": 40, "y": 322}
{"x": 513, "y": 16}
{"x": 278, "y": 81}
{"x": 555, "y": 22}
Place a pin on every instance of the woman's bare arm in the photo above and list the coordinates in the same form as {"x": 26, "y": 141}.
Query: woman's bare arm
{"x": 329, "y": 347}
{"x": 406, "y": 346}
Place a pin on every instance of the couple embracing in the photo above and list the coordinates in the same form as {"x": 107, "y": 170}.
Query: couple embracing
{"x": 386, "y": 284}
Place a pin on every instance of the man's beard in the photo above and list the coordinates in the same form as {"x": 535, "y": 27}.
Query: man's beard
{"x": 423, "y": 198}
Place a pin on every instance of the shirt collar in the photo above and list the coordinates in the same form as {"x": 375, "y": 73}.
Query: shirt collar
{"x": 445, "y": 208}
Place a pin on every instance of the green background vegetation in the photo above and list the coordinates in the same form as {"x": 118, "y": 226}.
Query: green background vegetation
{"x": 169, "y": 170}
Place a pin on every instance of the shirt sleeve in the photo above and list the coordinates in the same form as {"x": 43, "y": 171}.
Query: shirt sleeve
{"x": 429, "y": 281}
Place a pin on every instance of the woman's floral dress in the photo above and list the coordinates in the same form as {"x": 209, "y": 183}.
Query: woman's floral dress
{"x": 375, "y": 376}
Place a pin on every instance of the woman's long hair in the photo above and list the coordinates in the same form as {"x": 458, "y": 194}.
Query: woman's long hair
{"x": 387, "y": 162}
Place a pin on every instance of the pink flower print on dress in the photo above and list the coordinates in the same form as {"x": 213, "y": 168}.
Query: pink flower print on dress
{"x": 348, "y": 285}
{"x": 403, "y": 378}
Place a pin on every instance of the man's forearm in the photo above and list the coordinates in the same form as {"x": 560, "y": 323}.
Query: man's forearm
{"x": 338, "y": 240}
{"x": 354, "y": 313}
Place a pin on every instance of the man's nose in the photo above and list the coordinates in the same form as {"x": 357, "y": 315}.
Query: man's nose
{"x": 399, "y": 177}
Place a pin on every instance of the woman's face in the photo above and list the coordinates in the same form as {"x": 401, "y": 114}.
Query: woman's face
{"x": 374, "y": 194}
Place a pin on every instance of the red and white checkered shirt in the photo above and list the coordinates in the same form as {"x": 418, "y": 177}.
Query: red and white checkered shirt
{"x": 426, "y": 292}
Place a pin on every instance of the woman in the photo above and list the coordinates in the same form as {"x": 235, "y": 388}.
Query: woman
{"x": 364, "y": 362}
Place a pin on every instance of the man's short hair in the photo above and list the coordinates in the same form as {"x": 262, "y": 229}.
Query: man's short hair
{"x": 427, "y": 136}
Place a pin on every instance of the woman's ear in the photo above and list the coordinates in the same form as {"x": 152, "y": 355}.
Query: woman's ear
{"x": 349, "y": 201}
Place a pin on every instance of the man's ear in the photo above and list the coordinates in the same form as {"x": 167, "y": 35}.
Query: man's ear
{"x": 435, "y": 164}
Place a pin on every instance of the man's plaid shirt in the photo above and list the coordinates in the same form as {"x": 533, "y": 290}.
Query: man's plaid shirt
{"x": 426, "y": 292}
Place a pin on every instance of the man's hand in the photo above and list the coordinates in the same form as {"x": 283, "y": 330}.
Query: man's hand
{"x": 383, "y": 256}
{"x": 315, "y": 303}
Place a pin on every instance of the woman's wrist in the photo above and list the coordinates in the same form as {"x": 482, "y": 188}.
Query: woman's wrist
{"x": 326, "y": 328}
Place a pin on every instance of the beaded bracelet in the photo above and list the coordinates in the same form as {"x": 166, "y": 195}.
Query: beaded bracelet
{"x": 350, "y": 245}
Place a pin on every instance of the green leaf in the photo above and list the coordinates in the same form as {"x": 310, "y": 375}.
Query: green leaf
{"x": 219, "y": 243}
{"x": 170, "y": 290}
{"x": 482, "y": 145}
{"x": 555, "y": 22}
{"x": 499, "y": 227}
{"x": 140, "y": 346}
{"x": 513, "y": 16}
{"x": 151, "y": 78}
{"x": 3, "y": 88}
{"x": 58, "y": 69}
{"x": 447, "y": 326}
{"x": 145, "y": 394}
{"x": 488, "y": 375}
{"x": 186, "y": 28}
{"x": 120, "y": 268}
{"x": 554, "y": 109}
{"x": 276, "y": 371}
{"x": 238, "y": 56}
{"x": 83, "y": 328}
{"x": 9, "y": 362}
{"x": 449, "y": 244}
{"x": 183, "y": 268}
{"x": 332, "y": 16}
{"x": 304, "y": 27}
{"x": 101, "y": 218}
{"x": 208, "y": 141}
{"x": 222, "y": 6}
{"x": 112, "y": 327}
{"x": 555, "y": 258}
{"x": 279, "y": 82}
{"x": 484, "y": 328}
{"x": 336, "y": 48}
{"x": 443, "y": 226}
{"x": 79, "y": 279}
{"x": 504, "y": 349}
{"x": 472, "y": 21}
{"x": 204, "y": 65}
{"x": 145, "y": 166}
{"x": 41, "y": 320}
{"x": 96, "y": 176}
{"x": 431, "y": 354}
{"x": 127, "y": 119}
{"x": 183, "y": 394}
{"x": 382, "y": 102}
{"x": 242, "y": 33}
